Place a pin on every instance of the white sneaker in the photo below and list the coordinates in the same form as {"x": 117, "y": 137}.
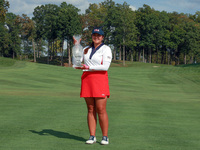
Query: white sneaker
{"x": 91, "y": 140}
{"x": 105, "y": 140}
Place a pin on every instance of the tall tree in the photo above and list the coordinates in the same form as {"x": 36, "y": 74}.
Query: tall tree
{"x": 68, "y": 25}
{"x": 126, "y": 29}
{"x": 38, "y": 19}
{"x": 143, "y": 18}
{"x": 191, "y": 40}
{"x": 4, "y": 35}
{"x": 28, "y": 31}
{"x": 109, "y": 24}
{"x": 4, "y": 41}
{"x": 4, "y": 5}
{"x": 177, "y": 36}
{"x": 14, "y": 32}
{"x": 46, "y": 18}
{"x": 94, "y": 17}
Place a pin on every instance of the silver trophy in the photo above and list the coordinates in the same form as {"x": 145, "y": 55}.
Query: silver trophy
{"x": 77, "y": 52}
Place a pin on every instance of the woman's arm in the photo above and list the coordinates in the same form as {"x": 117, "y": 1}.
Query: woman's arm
{"x": 105, "y": 66}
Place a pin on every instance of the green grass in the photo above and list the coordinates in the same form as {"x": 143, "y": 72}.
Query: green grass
{"x": 152, "y": 107}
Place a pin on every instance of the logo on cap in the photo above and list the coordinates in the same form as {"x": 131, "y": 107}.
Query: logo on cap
{"x": 97, "y": 30}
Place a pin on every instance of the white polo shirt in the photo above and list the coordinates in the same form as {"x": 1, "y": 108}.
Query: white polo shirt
{"x": 98, "y": 59}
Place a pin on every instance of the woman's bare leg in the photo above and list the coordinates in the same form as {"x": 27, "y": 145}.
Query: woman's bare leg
{"x": 91, "y": 117}
{"x": 102, "y": 114}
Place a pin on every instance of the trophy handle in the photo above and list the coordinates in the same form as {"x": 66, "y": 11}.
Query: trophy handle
{"x": 75, "y": 41}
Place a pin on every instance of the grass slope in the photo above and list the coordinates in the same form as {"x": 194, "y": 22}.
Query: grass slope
{"x": 152, "y": 107}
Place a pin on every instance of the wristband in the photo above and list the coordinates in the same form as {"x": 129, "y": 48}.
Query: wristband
{"x": 86, "y": 67}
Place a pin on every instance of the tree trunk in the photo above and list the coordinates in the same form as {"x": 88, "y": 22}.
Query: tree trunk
{"x": 185, "y": 58}
{"x": 48, "y": 54}
{"x": 13, "y": 55}
{"x": 178, "y": 61}
{"x": 165, "y": 56}
{"x": 156, "y": 54}
{"x": 120, "y": 52}
{"x": 62, "y": 53}
{"x": 123, "y": 52}
{"x": 53, "y": 49}
{"x": 143, "y": 54}
{"x": 139, "y": 55}
{"x": 14, "y": 52}
{"x": 131, "y": 55}
{"x": 37, "y": 53}
{"x": 162, "y": 58}
{"x": 191, "y": 60}
{"x": 40, "y": 48}
{"x": 150, "y": 56}
{"x": 114, "y": 54}
{"x": 69, "y": 53}
{"x": 33, "y": 43}
{"x": 168, "y": 58}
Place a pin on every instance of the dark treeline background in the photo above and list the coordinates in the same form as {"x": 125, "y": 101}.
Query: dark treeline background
{"x": 144, "y": 35}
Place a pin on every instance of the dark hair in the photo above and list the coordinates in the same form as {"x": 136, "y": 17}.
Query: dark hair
{"x": 86, "y": 50}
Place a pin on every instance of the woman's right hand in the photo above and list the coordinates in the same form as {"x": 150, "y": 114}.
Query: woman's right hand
{"x": 83, "y": 67}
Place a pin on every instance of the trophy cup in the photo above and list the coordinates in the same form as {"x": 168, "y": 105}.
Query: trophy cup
{"x": 77, "y": 52}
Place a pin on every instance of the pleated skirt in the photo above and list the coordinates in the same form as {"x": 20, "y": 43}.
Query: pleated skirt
{"x": 95, "y": 84}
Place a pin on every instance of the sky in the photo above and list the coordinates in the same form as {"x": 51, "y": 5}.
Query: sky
{"x": 20, "y": 7}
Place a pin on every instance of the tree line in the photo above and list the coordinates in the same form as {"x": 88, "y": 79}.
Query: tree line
{"x": 144, "y": 35}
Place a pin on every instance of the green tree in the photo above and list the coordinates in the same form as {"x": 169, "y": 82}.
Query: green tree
{"x": 28, "y": 31}
{"x": 194, "y": 54}
{"x": 46, "y": 20}
{"x": 4, "y": 40}
{"x": 39, "y": 29}
{"x": 68, "y": 25}
{"x": 191, "y": 44}
{"x": 14, "y": 34}
{"x": 177, "y": 24}
{"x": 161, "y": 36}
{"x": 94, "y": 17}
{"x": 126, "y": 28}
{"x": 109, "y": 24}
{"x": 55, "y": 23}
{"x": 4, "y": 5}
{"x": 4, "y": 36}
{"x": 146, "y": 24}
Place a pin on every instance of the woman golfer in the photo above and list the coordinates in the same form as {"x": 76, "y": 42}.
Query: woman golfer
{"x": 94, "y": 84}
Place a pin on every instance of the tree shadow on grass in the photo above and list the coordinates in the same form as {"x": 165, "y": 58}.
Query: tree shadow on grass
{"x": 58, "y": 134}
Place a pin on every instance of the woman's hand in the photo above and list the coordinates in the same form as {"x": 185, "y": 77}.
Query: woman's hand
{"x": 83, "y": 67}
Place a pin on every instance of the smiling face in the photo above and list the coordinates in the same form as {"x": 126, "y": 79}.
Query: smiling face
{"x": 97, "y": 39}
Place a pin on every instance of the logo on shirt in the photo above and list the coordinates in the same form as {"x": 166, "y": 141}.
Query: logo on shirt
{"x": 109, "y": 57}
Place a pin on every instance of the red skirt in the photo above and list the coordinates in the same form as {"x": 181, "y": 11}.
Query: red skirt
{"x": 94, "y": 84}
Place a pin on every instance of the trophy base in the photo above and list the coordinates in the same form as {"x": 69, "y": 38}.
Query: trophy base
{"x": 74, "y": 66}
